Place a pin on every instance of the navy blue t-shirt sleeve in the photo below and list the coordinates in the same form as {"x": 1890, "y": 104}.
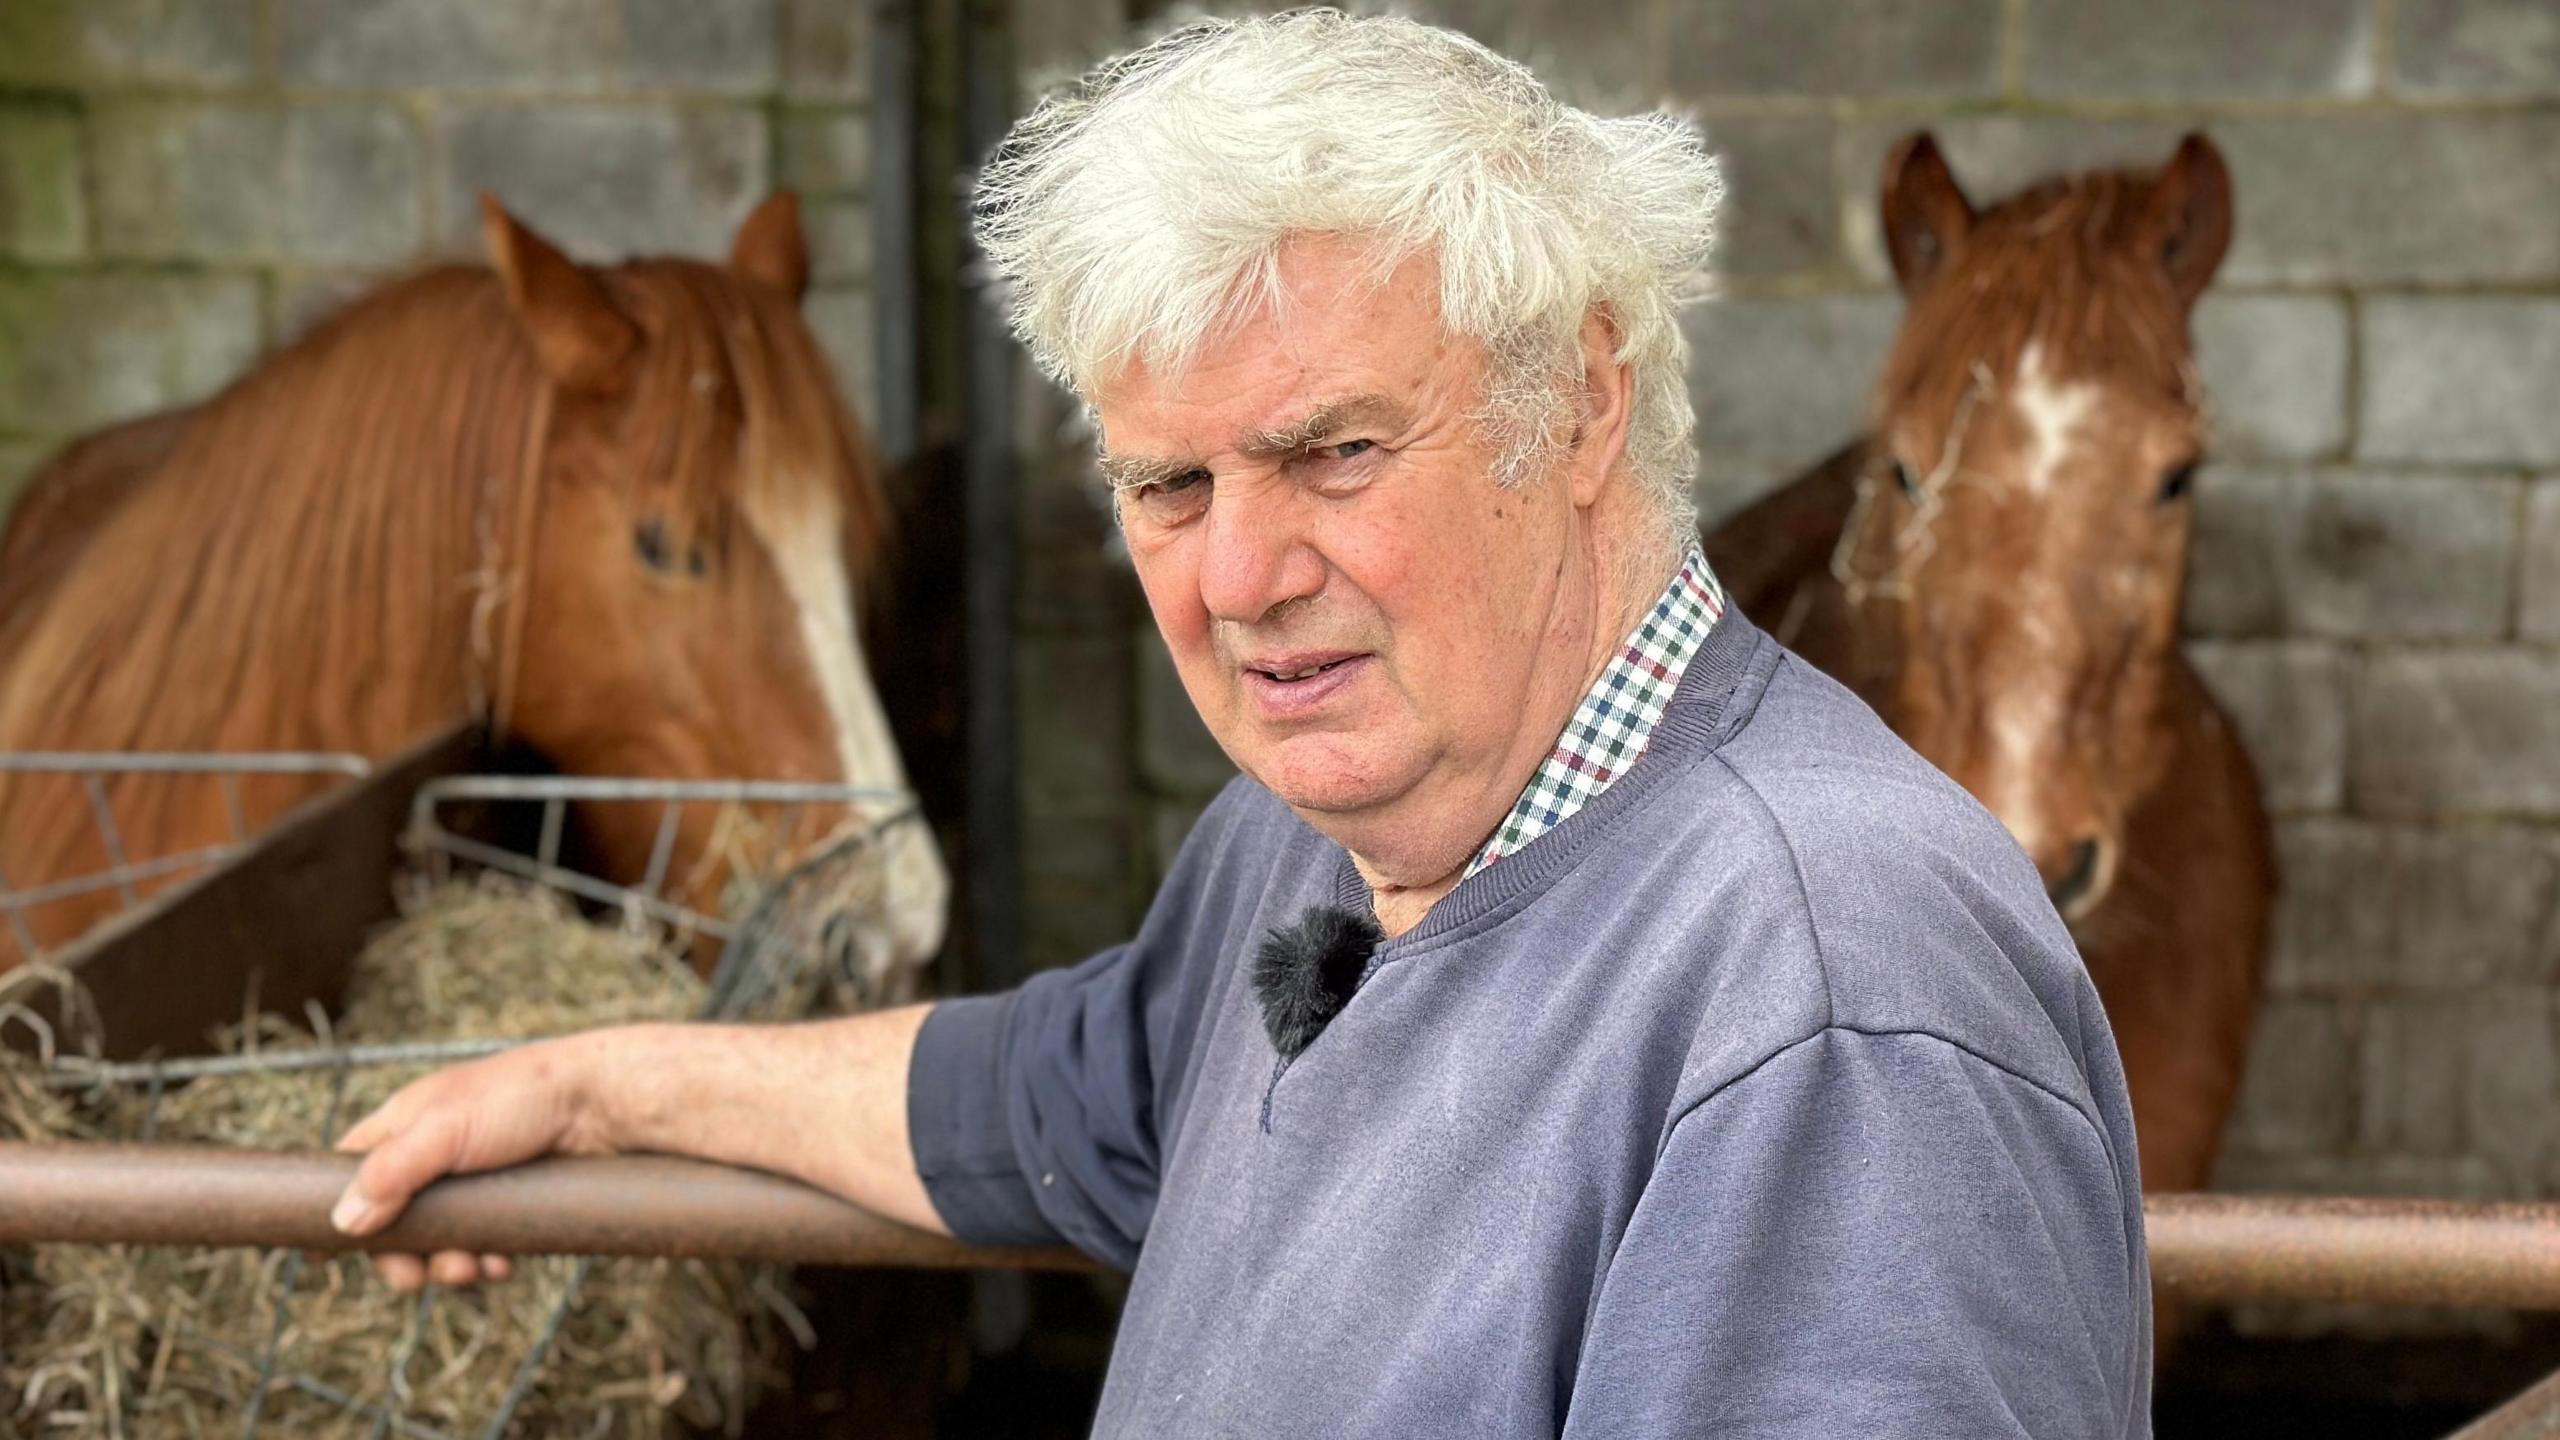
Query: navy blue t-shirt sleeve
{"x": 1873, "y": 1234}
{"x": 1031, "y": 1112}
{"x": 1035, "y": 1114}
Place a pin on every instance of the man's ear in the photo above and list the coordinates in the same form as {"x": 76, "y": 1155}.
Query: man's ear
{"x": 771, "y": 248}
{"x": 1604, "y": 407}
{"x": 578, "y": 335}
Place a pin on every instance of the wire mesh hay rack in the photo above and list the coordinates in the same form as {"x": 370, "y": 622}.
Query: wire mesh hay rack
{"x": 786, "y": 949}
{"x": 122, "y": 874}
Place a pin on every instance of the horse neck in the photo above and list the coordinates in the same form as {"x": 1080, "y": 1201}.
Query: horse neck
{"x": 304, "y": 570}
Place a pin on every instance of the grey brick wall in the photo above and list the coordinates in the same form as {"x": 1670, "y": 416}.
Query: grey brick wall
{"x": 182, "y": 185}
{"x": 2378, "y": 576}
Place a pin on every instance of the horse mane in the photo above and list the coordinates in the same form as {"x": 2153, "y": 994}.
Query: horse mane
{"x": 322, "y": 558}
{"x": 2061, "y": 266}
{"x": 312, "y": 520}
{"x": 60, "y": 507}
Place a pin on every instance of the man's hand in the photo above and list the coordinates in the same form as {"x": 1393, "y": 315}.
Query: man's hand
{"x": 492, "y": 1113}
{"x": 823, "y": 1102}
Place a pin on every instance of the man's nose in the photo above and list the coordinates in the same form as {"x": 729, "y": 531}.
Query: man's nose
{"x": 1256, "y": 554}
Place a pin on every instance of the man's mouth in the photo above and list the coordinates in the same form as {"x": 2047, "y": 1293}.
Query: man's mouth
{"x": 1307, "y": 672}
{"x": 1301, "y": 685}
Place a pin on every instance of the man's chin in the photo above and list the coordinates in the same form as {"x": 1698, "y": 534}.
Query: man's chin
{"x": 1316, "y": 802}
{"x": 1316, "y": 787}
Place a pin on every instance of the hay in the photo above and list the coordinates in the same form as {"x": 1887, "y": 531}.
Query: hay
{"x": 136, "y": 1341}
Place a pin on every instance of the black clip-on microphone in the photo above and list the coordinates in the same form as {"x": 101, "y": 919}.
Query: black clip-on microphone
{"x": 1305, "y": 973}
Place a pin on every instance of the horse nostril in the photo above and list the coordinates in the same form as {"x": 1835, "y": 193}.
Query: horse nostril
{"x": 2078, "y": 883}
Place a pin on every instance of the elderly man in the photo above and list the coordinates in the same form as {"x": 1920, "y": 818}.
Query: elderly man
{"x": 1581, "y": 1017}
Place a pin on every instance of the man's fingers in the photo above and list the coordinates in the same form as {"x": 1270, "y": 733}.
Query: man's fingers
{"x": 404, "y": 1273}
{"x": 494, "y": 1112}
{"x": 396, "y": 1169}
{"x": 497, "y": 1267}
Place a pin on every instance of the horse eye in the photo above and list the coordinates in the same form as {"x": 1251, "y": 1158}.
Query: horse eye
{"x": 2179, "y": 481}
{"x": 1902, "y": 476}
{"x": 650, "y": 539}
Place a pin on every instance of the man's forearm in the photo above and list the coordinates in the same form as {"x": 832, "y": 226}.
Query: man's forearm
{"x": 824, "y": 1102}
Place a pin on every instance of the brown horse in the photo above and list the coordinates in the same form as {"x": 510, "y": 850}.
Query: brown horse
{"x": 614, "y": 515}
{"x": 1999, "y": 568}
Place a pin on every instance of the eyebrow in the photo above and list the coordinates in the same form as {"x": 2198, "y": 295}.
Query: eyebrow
{"x": 1135, "y": 472}
{"x": 1327, "y": 418}
{"x": 1124, "y": 473}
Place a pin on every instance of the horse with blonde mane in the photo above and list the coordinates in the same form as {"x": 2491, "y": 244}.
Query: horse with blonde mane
{"x": 1999, "y": 569}
{"x": 615, "y": 515}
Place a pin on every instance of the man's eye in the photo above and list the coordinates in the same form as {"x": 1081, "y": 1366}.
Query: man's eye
{"x": 1175, "y": 498}
{"x": 1348, "y": 450}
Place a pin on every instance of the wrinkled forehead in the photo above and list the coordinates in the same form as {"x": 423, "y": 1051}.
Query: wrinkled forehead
{"x": 1289, "y": 378}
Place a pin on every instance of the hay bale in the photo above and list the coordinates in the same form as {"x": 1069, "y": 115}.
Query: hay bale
{"x": 126, "y": 1340}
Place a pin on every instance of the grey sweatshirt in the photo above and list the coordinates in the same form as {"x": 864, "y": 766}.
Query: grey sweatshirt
{"x": 1765, "y": 1096}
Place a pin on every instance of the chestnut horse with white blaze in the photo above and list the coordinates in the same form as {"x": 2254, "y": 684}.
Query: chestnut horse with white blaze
{"x": 616, "y": 515}
{"x": 1999, "y": 568}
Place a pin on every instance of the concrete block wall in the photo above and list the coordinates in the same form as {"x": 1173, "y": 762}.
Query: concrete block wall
{"x": 2377, "y": 588}
{"x": 183, "y": 185}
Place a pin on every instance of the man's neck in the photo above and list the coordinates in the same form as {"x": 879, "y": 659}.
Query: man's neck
{"x": 1401, "y": 901}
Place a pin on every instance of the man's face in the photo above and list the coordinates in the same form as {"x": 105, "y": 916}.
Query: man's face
{"x": 1365, "y": 619}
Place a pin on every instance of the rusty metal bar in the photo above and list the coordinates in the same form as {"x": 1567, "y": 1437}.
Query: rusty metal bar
{"x": 2241, "y": 1249}
{"x": 2215, "y": 1249}
{"x": 620, "y": 1205}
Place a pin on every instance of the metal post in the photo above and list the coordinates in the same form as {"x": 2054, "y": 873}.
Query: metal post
{"x": 988, "y": 465}
{"x": 893, "y": 227}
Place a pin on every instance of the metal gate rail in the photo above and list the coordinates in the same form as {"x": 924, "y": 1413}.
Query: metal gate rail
{"x": 2211, "y": 1249}
{"x": 632, "y": 1205}
{"x": 2221, "y": 1249}
{"x": 2299, "y": 1250}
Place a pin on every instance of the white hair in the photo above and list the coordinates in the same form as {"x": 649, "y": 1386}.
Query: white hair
{"x": 1140, "y": 212}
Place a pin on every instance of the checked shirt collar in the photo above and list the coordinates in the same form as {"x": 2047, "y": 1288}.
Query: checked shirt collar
{"x": 1609, "y": 729}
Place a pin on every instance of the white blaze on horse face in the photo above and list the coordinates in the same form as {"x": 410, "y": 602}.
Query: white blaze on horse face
{"x": 2026, "y": 714}
{"x": 809, "y": 551}
{"x": 2051, "y": 412}
{"x": 2029, "y": 705}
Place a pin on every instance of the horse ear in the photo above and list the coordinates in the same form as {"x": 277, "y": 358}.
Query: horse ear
{"x": 2188, "y": 217}
{"x": 771, "y": 248}
{"x": 1924, "y": 211}
{"x": 578, "y": 335}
